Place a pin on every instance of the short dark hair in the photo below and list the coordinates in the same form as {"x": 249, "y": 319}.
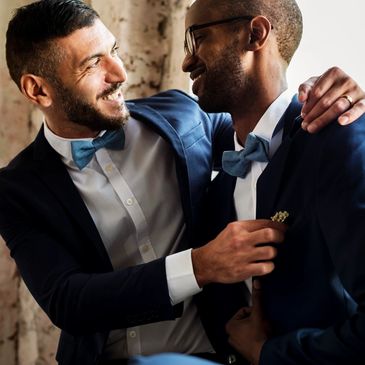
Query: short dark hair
{"x": 29, "y": 47}
{"x": 284, "y": 15}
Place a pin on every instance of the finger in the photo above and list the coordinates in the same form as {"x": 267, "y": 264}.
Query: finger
{"x": 353, "y": 114}
{"x": 260, "y": 268}
{"x": 318, "y": 90}
{"x": 257, "y": 300}
{"x": 263, "y": 253}
{"x": 258, "y": 224}
{"x": 305, "y": 88}
{"x": 243, "y": 313}
{"x": 264, "y": 235}
{"x": 316, "y": 121}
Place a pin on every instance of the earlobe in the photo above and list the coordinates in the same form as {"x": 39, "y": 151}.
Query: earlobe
{"x": 36, "y": 90}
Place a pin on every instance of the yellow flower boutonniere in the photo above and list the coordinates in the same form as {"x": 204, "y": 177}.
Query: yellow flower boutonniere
{"x": 280, "y": 216}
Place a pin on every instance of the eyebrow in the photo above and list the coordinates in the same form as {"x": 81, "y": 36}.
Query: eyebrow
{"x": 96, "y": 55}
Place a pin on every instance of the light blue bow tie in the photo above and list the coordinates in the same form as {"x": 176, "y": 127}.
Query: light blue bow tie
{"x": 238, "y": 163}
{"x": 83, "y": 151}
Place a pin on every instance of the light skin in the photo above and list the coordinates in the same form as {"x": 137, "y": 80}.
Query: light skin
{"x": 90, "y": 68}
{"x": 261, "y": 71}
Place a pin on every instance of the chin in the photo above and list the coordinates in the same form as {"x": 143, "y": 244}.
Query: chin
{"x": 209, "y": 106}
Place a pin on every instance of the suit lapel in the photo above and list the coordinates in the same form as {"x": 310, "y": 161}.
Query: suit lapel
{"x": 50, "y": 168}
{"x": 268, "y": 184}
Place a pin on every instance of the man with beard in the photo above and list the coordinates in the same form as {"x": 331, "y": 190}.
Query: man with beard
{"x": 310, "y": 309}
{"x": 100, "y": 212}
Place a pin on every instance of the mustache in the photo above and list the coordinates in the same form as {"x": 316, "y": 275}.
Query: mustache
{"x": 109, "y": 91}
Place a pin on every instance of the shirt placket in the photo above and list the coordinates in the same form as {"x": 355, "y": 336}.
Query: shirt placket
{"x": 137, "y": 216}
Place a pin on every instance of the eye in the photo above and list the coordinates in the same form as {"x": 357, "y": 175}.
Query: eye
{"x": 115, "y": 51}
{"x": 94, "y": 63}
{"x": 198, "y": 39}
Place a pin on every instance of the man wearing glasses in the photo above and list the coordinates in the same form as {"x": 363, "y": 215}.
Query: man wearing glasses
{"x": 237, "y": 54}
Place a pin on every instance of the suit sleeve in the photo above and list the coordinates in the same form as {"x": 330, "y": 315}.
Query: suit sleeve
{"x": 340, "y": 206}
{"x": 79, "y": 292}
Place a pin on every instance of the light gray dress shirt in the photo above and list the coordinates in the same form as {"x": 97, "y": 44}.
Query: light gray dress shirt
{"x": 133, "y": 198}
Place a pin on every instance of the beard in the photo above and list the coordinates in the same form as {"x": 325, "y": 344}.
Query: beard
{"x": 86, "y": 114}
{"x": 224, "y": 82}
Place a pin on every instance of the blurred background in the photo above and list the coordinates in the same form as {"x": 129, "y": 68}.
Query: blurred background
{"x": 152, "y": 51}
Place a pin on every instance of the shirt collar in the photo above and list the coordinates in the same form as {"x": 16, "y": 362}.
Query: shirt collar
{"x": 63, "y": 145}
{"x": 267, "y": 123}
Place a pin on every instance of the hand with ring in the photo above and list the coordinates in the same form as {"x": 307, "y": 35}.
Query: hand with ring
{"x": 334, "y": 95}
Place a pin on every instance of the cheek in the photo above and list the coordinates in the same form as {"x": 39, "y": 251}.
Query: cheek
{"x": 91, "y": 87}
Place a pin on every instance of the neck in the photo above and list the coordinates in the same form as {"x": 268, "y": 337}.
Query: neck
{"x": 67, "y": 129}
{"x": 258, "y": 99}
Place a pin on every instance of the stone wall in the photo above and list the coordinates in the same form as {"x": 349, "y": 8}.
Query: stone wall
{"x": 152, "y": 51}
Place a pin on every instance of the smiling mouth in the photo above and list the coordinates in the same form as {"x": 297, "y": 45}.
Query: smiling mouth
{"x": 197, "y": 74}
{"x": 116, "y": 95}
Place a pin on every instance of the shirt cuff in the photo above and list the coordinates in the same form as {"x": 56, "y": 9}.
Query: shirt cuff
{"x": 181, "y": 280}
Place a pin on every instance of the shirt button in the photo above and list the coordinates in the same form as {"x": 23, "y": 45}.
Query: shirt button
{"x": 132, "y": 334}
{"x": 145, "y": 248}
{"x": 129, "y": 201}
{"x": 109, "y": 168}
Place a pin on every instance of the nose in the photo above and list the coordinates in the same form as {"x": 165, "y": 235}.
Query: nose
{"x": 115, "y": 71}
{"x": 188, "y": 62}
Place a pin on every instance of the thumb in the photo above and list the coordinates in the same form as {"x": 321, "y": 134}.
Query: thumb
{"x": 257, "y": 300}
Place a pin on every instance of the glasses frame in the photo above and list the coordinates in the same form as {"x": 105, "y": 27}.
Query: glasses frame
{"x": 189, "y": 42}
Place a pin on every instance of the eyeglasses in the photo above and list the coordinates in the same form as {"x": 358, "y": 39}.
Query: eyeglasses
{"x": 190, "y": 44}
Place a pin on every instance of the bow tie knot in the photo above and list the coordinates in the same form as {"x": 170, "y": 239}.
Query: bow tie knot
{"x": 83, "y": 151}
{"x": 238, "y": 163}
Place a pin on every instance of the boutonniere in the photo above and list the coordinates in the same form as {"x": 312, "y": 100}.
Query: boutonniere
{"x": 280, "y": 216}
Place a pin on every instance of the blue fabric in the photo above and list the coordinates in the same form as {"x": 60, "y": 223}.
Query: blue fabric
{"x": 238, "y": 163}
{"x": 169, "y": 359}
{"x": 43, "y": 216}
{"x": 83, "y": 151}
{"x": 314, "y": 299}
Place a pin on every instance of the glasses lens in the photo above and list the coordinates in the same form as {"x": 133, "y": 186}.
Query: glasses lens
{"x": 189, "y": 42}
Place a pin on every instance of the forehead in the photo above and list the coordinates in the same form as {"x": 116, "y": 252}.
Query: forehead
{"x": 86, "y": 41}
{"x": 202, "y": 11}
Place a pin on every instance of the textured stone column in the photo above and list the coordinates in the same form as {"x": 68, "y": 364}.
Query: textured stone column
{"x": 152, "y": 51}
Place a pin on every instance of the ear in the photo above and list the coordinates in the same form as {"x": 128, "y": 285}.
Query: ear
{"x": 36, "y": 89}
{"x": 260, "y": 28}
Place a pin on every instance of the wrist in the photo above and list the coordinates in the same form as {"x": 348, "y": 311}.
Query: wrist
{"x": 199, "y": 266}
{"x": 256, "y": 352}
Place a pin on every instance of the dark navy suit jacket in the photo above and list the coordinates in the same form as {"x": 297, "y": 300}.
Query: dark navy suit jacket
{"x": 315, "y": 298}
{"x": 57, "y": 247}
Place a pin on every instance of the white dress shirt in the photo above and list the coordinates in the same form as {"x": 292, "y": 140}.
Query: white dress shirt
{"x": 134, "y": 200}
{"x": 245, "y": 190}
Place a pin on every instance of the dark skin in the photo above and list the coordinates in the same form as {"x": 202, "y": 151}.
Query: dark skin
{"x": 244, "y": 82}
{"x": 249, "y": 323}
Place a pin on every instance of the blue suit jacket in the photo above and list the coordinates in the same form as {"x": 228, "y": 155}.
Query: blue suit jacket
{"x": 57, "y": 247}
{"x": 315, "y": 298}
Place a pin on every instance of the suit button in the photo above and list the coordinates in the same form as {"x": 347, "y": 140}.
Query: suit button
{"x": 132, "y": 334}
{"x": 232, "y": 359}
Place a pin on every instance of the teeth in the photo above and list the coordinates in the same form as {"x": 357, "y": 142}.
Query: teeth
{"x": 114, "y": 96}
{"x": 197, "y": 78}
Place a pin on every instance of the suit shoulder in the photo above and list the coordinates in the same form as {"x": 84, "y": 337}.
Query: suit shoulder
{"x": 172, "y": 97}
{"x": 19, "y": 163}
{"x": 342, "y": 137}
{"x": 175, "y": 105}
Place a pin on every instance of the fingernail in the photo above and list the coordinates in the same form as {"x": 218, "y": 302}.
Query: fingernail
{"x": 343, "y": 120}
{"x": 302, "y": 114}
{"x": 304, "y": 125}
{"x": 311, "y": 128}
